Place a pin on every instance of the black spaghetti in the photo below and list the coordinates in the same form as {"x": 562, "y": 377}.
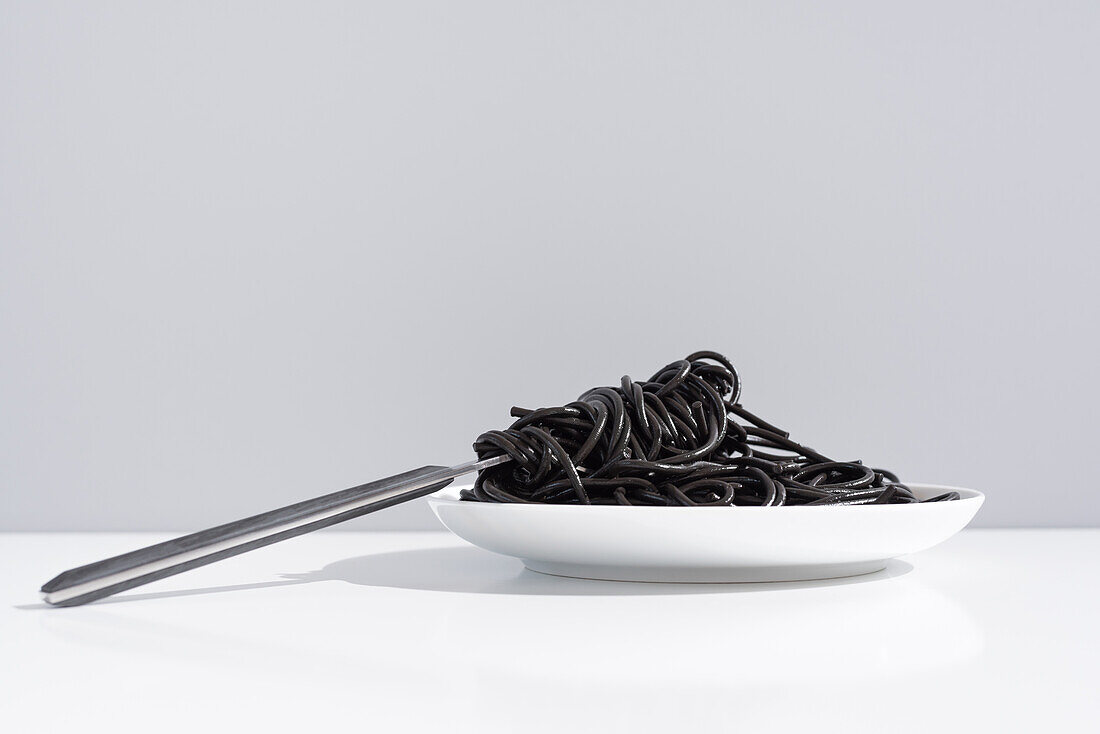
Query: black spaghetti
{"x": 681, "y": 438}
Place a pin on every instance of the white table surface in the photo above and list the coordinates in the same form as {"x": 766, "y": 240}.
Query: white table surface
{"x": 995, "y": 630}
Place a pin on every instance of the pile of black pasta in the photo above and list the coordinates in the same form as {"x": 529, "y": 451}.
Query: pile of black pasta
{"x": 680, "y": 439}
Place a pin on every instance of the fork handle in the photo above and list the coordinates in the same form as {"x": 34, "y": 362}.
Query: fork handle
{"x": 112, "y": 575}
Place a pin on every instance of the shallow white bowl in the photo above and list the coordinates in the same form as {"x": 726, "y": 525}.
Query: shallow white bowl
{"x": 707, "y": 544}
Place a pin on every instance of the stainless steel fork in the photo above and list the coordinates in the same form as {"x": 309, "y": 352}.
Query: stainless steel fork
{"x": 112, "y": 575}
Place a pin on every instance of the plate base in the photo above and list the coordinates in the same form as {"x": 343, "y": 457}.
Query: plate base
{"x": 674, "y": 575}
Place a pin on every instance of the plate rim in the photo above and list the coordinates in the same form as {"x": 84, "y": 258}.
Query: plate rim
{"x": 449, "y": 496}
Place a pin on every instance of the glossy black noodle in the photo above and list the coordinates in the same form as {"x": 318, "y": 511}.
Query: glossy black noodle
{"x": 681, "y": 438}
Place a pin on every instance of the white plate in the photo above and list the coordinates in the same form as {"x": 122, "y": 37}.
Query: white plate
{"x": 707, "y": 544}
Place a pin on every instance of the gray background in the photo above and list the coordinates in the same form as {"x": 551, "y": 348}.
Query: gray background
{"x": 250, "y": 252}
